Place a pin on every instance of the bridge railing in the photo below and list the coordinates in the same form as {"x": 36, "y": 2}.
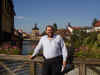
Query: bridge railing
{"x": 22, "y": 63}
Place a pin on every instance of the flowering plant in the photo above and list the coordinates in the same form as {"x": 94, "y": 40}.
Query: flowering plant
{"x": 7, "y": 49}
{"x": 86, "y": 44}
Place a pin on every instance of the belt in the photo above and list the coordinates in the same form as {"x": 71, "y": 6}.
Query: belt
{"x": 58, "y": 58}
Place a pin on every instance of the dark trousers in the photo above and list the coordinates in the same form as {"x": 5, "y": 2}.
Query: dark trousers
{"x": 52, "y": 66}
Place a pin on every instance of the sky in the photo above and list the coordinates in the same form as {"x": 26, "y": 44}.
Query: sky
{"x": 48, "y": 12}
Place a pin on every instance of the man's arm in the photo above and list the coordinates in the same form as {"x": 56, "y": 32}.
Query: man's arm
{"x": 64, "y": 52}
{"x": 37, "y": 49}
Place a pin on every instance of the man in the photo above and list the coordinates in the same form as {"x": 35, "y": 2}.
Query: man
{"x": 54, "y": 52}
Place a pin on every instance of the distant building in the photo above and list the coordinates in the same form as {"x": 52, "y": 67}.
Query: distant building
{"x": 72, "y": 28}
{"x": 35, "y": 33}
{"x": 7, "y": 14}
{"x": 84, "y": 28}
{"x": 97, "y": 26}
{"x": 26, "y": 36}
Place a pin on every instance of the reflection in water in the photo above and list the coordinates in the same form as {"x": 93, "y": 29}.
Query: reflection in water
{"x": 27, "y": 47}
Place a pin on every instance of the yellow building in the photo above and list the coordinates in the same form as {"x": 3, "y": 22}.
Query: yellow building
{"x": 7, "y": 14}
{"x": 35, "y": 33}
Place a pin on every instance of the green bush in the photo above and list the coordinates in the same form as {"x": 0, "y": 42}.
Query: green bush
{"x": 11, "y": 50}
{"x": 86, "y": 44}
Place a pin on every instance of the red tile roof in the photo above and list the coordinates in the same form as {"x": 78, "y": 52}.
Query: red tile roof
{"x": 76, "y": 28}
{"x": 97, "y": 24}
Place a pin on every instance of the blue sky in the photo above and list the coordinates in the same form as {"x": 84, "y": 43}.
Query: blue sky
{"x": 44, "y": 12}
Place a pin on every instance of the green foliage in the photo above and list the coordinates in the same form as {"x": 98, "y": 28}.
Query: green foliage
{"x": 94, "y": 21}
{"x": 3, "y": 52}
{"x": 55, "y": 27}
{"x": 16, "y": 52}
{"x": 12, "y": 51}
{"x": 78, "y": 37}
{"x": 82, "y": 53}
{"x": 86, "y": 44}
{"x": 98, "y": 37}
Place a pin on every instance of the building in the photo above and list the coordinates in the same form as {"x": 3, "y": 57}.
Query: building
{"x": 26, "y": 36}
{"x": 84, "y": 28}
{"x": 7, "y": 14}
{"x": 72, "y": 28}
{"x": 35, "y": 33}
{"x": 97, "y": 26}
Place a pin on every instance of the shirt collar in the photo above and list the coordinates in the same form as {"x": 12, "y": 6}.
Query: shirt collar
{"x": 52, "y": 37}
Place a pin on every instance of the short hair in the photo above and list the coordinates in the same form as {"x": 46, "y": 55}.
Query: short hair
{"x": 49, "y": 26}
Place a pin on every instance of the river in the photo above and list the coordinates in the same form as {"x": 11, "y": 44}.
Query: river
{"x": 27, "y": 47}
{"x": 13, "y": 66}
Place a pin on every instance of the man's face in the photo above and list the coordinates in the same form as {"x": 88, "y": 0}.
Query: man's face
{"x": 50, "y": 31}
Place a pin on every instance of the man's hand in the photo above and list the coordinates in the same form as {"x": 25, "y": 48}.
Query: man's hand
{"x": 31, "y": 57}
{"x": 33, "y": 46}
{"x": 64, "y": 64}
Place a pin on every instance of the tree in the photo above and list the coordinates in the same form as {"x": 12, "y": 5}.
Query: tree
{"x": 94, "y": 21}
{"x": 78, "y": 37}
{"x": 55, "y": 27}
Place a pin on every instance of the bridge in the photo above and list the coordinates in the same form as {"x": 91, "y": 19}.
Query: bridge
{"x": 22, "y": 65}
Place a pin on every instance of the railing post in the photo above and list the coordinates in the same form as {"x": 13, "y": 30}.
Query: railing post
{"x": 32, "y": 68}
{"x": 82, "y": 69}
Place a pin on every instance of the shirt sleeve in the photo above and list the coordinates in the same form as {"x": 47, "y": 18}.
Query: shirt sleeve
{"x": 38, "y": 48}
{"x": 64, "y": 50}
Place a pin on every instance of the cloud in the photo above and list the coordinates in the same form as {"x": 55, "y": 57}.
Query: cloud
{"x": 19, "y": 17}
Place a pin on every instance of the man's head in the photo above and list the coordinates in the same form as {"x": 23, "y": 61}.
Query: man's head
{"x": 49, "y": 30}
